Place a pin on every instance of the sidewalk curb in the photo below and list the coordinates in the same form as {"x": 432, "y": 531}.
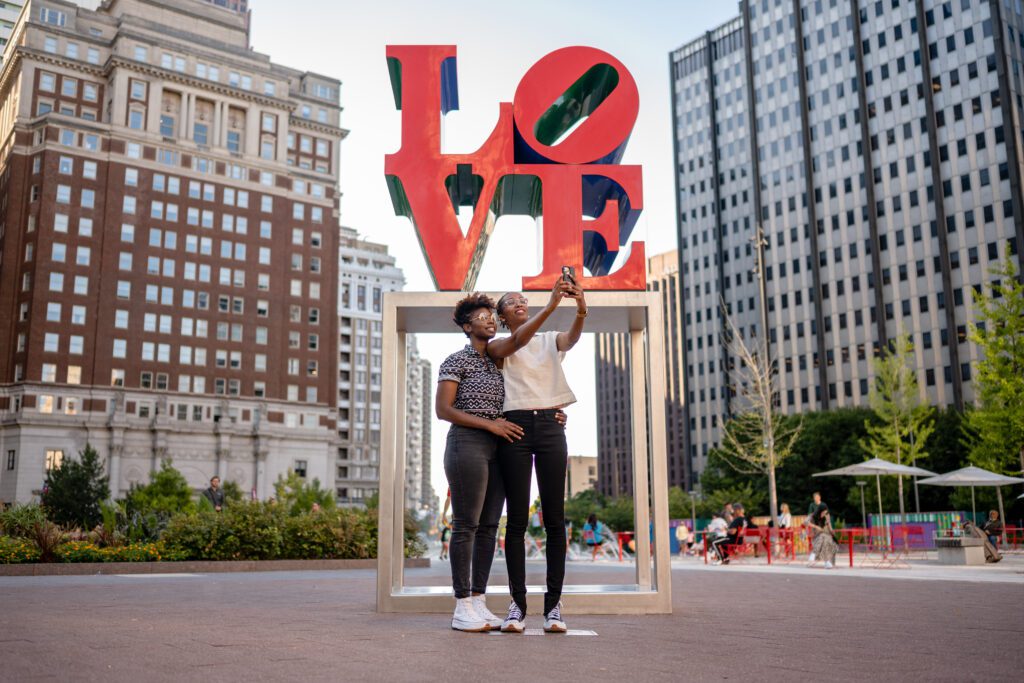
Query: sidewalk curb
{"x": 196, "y": 567}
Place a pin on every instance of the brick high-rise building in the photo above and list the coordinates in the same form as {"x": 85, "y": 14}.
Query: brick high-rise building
{"x": 878, "y": 145}
{"x": 168, "y": 248}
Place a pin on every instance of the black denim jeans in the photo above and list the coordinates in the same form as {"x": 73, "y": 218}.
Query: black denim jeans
{"x": 471, "y": 465}
{"x": 542, "y": 447}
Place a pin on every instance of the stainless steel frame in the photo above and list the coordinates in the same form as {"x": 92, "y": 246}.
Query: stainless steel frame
{"x": 639, "y": 314}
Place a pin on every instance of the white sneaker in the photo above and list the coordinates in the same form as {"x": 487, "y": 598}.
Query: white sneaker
{"x": 810, "y": 558}
{"x": 553, "y": 620}
{"x": 466, "y": 618}
{"x": 515, "y": 622}
{"x": 480, "y": 605}
{"x": 828, "y": 565}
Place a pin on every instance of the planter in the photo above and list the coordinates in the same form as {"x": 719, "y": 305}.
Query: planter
{"x": 190, "y": 567}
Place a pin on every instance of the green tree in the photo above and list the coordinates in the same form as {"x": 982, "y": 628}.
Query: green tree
{"x": 998, "y": 422}
{"x": 232, "y": 492}
{"x": 298, "y": 496}
{"x": 166, "y": 494}
{"x": 903, "y": 422}
{"x": 73, "y": 492}
{"x": 758, "y": 439}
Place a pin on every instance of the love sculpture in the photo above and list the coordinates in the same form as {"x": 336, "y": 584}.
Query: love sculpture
{"x": 540, "y": 160}
{"x": 554, "y": 153}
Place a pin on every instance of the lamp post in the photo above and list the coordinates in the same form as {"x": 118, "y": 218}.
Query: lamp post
{"x": 863, "y": 512}
{"x": 693, "y": 511}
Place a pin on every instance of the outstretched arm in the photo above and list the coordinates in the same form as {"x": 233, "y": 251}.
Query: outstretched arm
{"x": 506, "y": 346}
{"x": 567, "y": 340}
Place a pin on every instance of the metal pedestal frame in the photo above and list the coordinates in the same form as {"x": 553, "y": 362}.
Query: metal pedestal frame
{"x": 639, "y": 314}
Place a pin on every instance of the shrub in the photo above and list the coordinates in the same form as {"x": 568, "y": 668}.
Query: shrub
{"x": 167, "y": 494}
{"x": 78, "y": 551}
{"x": 47, "y": 536}
{"x": 247, "y": 531}
{"x": 85, "y": 551}
{"x": 196, "y": 535}
{"x": 298, "y": 496}
{"x": 135, "y": 552}
{"x": 17, "y": 550}
{"x": 254, "y": 532}
{"x": 310, "y": 536}
{"x": 357, "y": 533}
{"x": 21, "y": 520}
{"x": 73, "y": 492}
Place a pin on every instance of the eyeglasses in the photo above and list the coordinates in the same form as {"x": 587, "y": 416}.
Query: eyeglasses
{"x": 521, "y": 301}
{"x": 483, "y": 317}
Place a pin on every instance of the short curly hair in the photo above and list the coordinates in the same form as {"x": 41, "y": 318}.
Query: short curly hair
{"x": 464, "y": 309}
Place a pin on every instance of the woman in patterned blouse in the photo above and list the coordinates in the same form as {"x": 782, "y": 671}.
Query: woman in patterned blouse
{"x": 470, "y": 395}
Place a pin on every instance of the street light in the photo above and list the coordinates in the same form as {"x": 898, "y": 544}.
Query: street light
{"x": 863, "y": 513}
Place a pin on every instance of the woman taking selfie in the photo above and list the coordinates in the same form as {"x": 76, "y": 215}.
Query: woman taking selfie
{"x": 535, "y": 389}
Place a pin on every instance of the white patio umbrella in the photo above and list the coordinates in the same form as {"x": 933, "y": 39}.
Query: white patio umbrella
{"x": 975, "y": 476}
{"x": 876, "y": 467}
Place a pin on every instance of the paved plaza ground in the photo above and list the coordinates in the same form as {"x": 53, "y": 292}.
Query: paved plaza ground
{"x": 739, "y": 622}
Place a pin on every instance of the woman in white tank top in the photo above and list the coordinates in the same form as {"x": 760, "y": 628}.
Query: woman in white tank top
{"x": 535, "y": 388}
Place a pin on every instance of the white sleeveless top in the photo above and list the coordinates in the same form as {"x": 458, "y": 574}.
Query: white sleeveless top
{"x": 534, "y": 377}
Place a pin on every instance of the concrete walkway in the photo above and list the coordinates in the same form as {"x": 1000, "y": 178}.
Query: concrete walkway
{"x": 785, "y": 624}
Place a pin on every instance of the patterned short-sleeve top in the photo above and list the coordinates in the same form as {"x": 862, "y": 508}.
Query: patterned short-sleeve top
{"x": 481, "y": 389}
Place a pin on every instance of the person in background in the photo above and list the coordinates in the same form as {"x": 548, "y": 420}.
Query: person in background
{"x": 785, "y": 524}
{"x": 593, "y": 535}
{"x": 785, "y": 518}
{"x": 716, "y": 530}
{"x": 728, "y": 513}
{"x": 446, "y": 534}
{"x": 215, "y": 494}
{"x": 993, "y": 527}
{"x": 815, "y": 502}
{"x": 733, "y": 534}
{"x": 812, "y": 510}
{"x": 824, "y": 546}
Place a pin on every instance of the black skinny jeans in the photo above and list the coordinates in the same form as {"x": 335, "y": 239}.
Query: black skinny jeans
{"x": 471, "y": 465}
{"x": 542, "y": 446}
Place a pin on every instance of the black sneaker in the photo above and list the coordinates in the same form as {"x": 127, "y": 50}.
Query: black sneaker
{"x": 515, "y": 622}
{"x": 553, "y": 620}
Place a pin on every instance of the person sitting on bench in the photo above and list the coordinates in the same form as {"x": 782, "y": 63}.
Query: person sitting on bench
{"x": 734, "y": 535}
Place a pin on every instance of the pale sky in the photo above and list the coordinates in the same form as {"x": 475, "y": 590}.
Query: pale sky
{"x": 497, "y": 44}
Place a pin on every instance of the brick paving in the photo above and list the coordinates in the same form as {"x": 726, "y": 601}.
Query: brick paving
{"x": 321, "y": 626}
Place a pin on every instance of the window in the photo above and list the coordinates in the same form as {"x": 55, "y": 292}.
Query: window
{"x": 54, "y": 458}
{"x": 47, "y": 82}
{"x": 49, "y": 373}
{"x": 10, "y": 460}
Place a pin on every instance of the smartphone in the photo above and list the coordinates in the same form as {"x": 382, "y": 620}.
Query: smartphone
{"x": 569, "y": 274}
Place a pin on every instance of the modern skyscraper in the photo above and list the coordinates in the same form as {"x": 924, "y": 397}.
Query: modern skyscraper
{"x": 9, "y": 11}
{"x": 168, "y": 241}
{"x": 419, "y": 493}
{"x": 878, "y": 147}
{"x": 366, "y": 272}
{"x": 614, "y": 445}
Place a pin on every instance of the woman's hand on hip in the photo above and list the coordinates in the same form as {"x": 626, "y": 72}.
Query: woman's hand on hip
{"x": 509, "y": 431}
